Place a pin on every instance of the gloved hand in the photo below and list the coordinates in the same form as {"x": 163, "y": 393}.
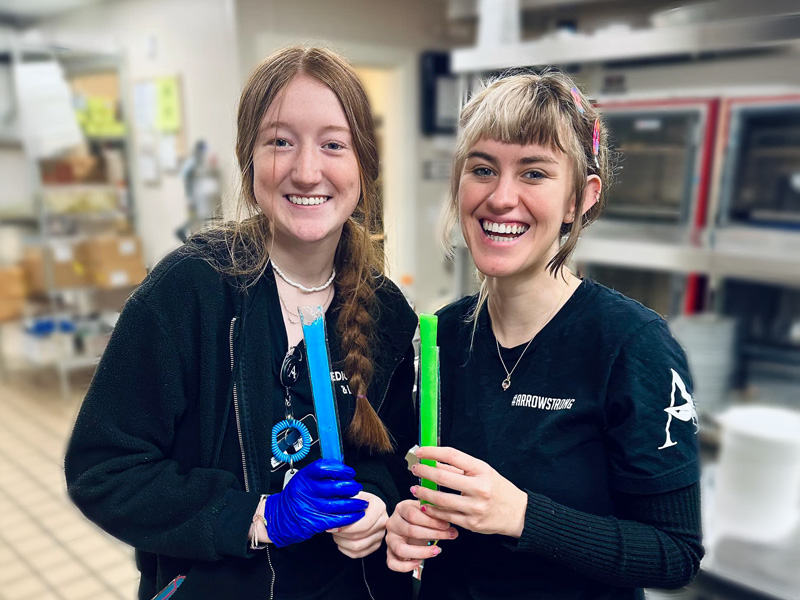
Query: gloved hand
{"x": 319, "y": 497}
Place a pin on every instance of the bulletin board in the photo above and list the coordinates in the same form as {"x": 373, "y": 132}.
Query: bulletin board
{"x": 158, "y": 120}
{"x": 97, "y": 104}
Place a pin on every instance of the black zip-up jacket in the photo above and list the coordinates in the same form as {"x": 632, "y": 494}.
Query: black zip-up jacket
{"x": 170, "y": 453}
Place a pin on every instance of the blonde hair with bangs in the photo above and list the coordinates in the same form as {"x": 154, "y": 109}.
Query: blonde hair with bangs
{"x": 528, "y": 108}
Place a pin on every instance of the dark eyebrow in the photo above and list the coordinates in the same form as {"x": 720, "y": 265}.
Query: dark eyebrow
{"x": 527, "y": 160}
{"x": 487, "y": 157}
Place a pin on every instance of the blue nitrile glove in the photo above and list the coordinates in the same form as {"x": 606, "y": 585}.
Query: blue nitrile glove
{"x": 319, "y": 497}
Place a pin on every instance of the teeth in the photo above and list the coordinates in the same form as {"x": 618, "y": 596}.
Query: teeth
{"x": 492, "y": 227}
{"x": 497, "y": 238}
{"x": 307, "y": 200}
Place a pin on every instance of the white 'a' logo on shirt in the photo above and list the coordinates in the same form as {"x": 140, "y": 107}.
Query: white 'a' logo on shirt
{"x": 683, "y": 412}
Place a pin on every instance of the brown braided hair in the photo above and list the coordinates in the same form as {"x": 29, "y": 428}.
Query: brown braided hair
{"x": 359, "y": 258}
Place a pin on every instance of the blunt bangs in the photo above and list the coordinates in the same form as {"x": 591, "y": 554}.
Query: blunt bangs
{"x": 524, "y": 113}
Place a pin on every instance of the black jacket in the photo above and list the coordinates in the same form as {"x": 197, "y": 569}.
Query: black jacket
{"x": 170, "y": 453}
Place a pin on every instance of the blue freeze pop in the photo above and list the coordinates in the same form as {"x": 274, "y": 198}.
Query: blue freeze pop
{"x": 312, "y": 319}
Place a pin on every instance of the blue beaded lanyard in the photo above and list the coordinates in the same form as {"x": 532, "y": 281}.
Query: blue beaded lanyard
{"x": 290, "y": 373}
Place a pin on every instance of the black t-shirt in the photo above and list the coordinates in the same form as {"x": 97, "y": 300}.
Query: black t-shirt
{"x": 314, "y": 569}
{"x": 599, "y": 403}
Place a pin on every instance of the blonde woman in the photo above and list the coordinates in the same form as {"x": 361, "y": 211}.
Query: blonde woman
{"x": 197, "y": 441}
{"x": 569, "y": 467}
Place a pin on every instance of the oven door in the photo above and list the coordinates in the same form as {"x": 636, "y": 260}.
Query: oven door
{"x": 761, "y": 178}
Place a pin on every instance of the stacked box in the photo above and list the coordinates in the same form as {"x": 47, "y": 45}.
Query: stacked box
{"x": 68, "y": 271}
{"x": 113, "y": 261}
{"x": 12, "y": 292}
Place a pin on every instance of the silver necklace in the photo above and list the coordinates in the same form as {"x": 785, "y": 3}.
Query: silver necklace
{"x": 507, "y": 381}
{"x": 300, "y": 286}
{"x": 290, "y": 314}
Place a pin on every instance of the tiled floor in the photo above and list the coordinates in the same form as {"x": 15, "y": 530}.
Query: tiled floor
{"x": 48, "y": 550}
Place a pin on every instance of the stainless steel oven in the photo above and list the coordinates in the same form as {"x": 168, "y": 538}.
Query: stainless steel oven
{"x": 664, "y": 152}
{"x": 761, "y": 177}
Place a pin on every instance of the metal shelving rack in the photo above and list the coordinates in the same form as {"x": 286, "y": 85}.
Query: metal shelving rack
{"x": 73, "y": 62}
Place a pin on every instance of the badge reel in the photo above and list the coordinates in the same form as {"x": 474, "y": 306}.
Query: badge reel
{"x": 290, "y": 373}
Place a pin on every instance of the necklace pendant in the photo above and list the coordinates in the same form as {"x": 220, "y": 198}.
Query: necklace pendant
{"x": 506, "y": 383}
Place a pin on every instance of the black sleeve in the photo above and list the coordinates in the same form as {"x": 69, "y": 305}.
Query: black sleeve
{"x": 118, "y": 466}
{"x": 387, "y": 475}
{"x": 655, "y": 541}
{"x": 650, "y": 418}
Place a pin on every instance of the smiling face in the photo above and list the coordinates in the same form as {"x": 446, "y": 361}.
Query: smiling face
{"x": 306, "y": 177}
{"x": 512, "y": 201}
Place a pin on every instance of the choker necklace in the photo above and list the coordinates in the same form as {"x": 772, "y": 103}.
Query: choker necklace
{"x": 507, "y": 381}
{"x": 300, "y": 286}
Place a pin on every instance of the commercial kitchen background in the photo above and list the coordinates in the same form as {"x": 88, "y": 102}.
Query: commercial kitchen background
{"x": 117, "y": 130}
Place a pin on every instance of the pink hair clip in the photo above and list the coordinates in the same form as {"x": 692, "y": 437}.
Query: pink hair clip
{"x": 576, "y": 95}
{"x": 596, "y": 141}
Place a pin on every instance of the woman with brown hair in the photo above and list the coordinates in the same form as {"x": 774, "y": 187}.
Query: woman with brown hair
{"x": 197, "y": 442}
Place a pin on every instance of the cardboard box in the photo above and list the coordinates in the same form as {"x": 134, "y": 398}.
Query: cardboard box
{"x": 113, "y": 261}
{"x": 12, "y": 308}
{"x": 109, "y": 276}
{"x": 111, "y": 250}
{"x": 76, "y": 168}
{"x": 68, "y": 271}
{"x": 12, "y": 283}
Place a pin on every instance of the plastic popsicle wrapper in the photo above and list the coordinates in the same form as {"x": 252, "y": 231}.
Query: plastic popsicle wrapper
{"x": 428, "y": 388}
{"x": 312, "y": 319}
{"x": 428, "y": 398}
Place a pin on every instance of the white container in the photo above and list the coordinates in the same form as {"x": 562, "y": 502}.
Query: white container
{"x": 709, "y": 341}
{"x": 757, "y": 495}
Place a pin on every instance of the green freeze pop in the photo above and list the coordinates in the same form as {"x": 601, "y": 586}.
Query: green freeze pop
{"x": 428, "y": 389}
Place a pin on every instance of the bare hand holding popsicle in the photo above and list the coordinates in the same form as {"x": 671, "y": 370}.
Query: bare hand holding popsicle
{"x": 363, "y": 537}
{"x": 488, "y": 503}
{"x": 408, "y": 532}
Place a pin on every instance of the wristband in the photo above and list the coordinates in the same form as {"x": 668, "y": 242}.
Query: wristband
{"x": 258, "y": 518}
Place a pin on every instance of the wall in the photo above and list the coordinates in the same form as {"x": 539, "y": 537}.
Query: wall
{"x": 411, "y": 24}
{"x": 194, "y": 39}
